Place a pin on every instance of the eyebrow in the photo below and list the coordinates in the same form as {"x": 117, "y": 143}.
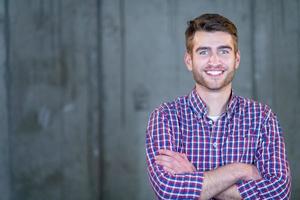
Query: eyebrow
{"x": 202, "y": 48}
{"x": 208, "y": 48}
{"x": 225, "y": 47}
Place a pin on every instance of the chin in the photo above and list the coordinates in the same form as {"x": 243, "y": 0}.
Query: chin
{"x": 214, "y": 87}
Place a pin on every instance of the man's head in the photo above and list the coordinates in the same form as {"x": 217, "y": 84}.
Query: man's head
{"x": 210, "y": 23}
{"x": 212, "y": 53}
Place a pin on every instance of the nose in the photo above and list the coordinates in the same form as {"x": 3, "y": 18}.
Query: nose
{"x": 214, "y": 59}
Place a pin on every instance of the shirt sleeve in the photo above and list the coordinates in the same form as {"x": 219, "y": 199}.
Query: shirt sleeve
{"x": 272, "y": 164}
{"x": 181, "y": 186}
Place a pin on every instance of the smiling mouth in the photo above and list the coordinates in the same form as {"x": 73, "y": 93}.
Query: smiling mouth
{"x": 214, "y": 72}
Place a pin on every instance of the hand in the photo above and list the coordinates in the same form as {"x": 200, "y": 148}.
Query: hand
{"x": 250, "y": 172}
{"x": 174, "y": 162}
{"x": 253, "y": 173}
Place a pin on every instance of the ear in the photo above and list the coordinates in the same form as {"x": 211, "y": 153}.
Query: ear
{"x": 237, "y": 59}
{"x": 188, "y": 61}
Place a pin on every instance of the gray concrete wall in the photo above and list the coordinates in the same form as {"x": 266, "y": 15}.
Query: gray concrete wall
{"x": 79, "y": 78}
{"x": 53, "y": 99}
{"x": 5, "y": 173}
{"x": 143, "y": 46}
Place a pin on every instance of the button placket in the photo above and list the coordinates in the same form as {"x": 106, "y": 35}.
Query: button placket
{"x": 214, "y": 142}
{"x": 215, "y": 145}
{"x": 212, "y": 137}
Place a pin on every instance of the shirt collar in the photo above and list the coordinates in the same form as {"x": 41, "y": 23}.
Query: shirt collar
{"x": 197, "y": 104}
{"x": 200, "y": 109}
{"x": 232, "y": 104}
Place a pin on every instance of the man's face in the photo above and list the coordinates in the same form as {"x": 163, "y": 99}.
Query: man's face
{"x": 213, "y": 60}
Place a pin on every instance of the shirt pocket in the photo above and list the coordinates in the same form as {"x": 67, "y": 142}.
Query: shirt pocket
{"x": 240, "y": 146}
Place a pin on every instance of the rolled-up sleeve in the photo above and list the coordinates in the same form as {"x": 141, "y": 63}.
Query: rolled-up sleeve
{"x": 272, "y": 164}
{"x": 159, "y": 135}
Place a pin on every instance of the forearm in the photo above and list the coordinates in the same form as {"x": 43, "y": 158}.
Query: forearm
{"x": 271, "y": 188}
{"x": 181, "y": 186}
{"x": 270, "y": 160}
{"x": 221, "y": 179}
{"x": 216, "y": 182}
{"x": 231, "y": 193}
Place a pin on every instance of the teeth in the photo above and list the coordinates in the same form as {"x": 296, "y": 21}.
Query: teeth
{"x": 214, "y": 73}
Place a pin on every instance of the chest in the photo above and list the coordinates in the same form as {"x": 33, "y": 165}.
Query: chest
{"x": 209, "y": 144}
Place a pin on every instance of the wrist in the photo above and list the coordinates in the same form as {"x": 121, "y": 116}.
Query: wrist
{"x": 241, "y": 171}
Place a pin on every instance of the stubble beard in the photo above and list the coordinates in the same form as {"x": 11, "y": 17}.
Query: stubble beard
{"x": 214, "y": 85}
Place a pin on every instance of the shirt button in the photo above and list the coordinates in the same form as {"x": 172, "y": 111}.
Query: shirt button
{"x": 215, "y": 144}
{"x": 210, "y": 122}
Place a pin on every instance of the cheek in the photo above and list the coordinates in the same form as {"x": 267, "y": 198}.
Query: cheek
{"x": 229, "y": 62}
{"x": 200, "y": 62}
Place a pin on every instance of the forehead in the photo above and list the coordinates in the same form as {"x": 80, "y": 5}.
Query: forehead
{"x": 212, "y": 39}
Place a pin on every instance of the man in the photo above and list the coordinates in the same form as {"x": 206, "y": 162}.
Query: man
{"x": 212, "y": 144}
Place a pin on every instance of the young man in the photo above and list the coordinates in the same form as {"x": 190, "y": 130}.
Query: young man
{"x": 212, "y": 144}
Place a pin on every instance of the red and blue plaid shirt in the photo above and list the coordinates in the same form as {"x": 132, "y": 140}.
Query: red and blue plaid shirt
{"x": 247, "y": 132}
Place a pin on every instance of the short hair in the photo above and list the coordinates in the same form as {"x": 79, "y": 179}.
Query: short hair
{"x": 210, "y": 23}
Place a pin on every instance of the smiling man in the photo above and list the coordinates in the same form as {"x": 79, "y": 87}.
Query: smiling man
{"x": 213, "y": 144}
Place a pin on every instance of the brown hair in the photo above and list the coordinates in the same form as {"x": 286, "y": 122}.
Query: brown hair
{"x": 209, "y": 23}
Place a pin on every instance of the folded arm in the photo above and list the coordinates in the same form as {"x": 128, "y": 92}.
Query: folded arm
{"x": 272, "y": 163}
{"x": 190, "y": 185}
{"x": 225, "y": 182}
{"x": 222, "y": 179}
{"x": 218, "y": 183}
{"x": 166, "y": 185}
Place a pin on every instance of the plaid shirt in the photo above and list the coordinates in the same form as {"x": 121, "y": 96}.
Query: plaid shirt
{"x": 247, "y": 132}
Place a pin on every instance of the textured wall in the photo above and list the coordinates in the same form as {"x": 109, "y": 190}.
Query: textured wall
{"x": 53, "y": 99}
{"x": 4, "y": 133}
{"x": 78, "y": 80}
{"x": 142, "y": 60}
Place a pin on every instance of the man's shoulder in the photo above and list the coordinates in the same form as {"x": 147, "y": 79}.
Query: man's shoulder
{"x": 253, "y": 106}
{"x": 173, "y": 106}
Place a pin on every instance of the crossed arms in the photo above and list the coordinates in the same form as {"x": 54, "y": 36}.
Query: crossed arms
{"x": 218, "y": 183}
{"x": 173, "y": 176}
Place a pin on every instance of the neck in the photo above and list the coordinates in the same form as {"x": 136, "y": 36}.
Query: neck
{"x": 216, "y": 101}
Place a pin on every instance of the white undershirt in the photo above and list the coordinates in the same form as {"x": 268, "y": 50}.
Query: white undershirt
{"x": 214, "y": 118}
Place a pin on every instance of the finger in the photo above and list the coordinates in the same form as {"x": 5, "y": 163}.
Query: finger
{"x": 169, "y": 159}
{"x": 169, "y": 162}
{"x": 166, "y": 152}
{"x": 170, "y": 153}
{"x": 164, "y": 158}
{"x": 162, "y": 161}
{"x": 169, "y": 170}
{"x": 173, "y": 167}
{"x": 180, "y": 163}
{"x": 183, "y": 156}
{"x": 177, "y": 161}
{"x": 168, "y": 165}
{"x": 165, "y": 164}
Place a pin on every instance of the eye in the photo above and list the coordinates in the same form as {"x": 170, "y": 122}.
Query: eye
{"x": 224, "y": 51}
{"x": 203, "y": 52}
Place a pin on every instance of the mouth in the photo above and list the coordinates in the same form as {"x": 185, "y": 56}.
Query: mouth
{"x": 214, "y": 73}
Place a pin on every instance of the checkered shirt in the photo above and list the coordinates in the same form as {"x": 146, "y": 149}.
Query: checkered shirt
{"x": 247, "y": 132}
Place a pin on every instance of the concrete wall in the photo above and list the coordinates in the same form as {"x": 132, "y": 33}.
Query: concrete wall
{"x": 5, "y": 172}
{"x": 52, "y": 74}
{"x": 79, "y": 78}
{"x": 142, "y": 60}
